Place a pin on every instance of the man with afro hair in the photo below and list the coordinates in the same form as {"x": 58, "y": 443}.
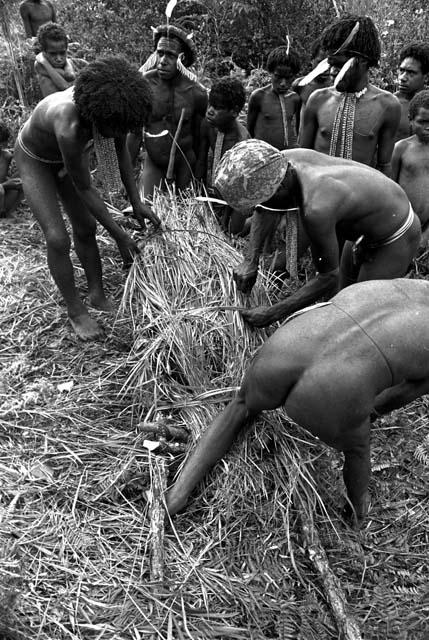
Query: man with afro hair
{"x": 171, "y": 137}
{"x": 109, "y": 99}
{"x": 412, "y": 77}
{"x": 352, "y": 119}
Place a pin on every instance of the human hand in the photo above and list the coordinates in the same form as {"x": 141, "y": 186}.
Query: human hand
{"x": 245, "y": 276}
{"x": 128, "y": 249}
{"x": 258, "y": 316}
{"x": 143, "y": 212}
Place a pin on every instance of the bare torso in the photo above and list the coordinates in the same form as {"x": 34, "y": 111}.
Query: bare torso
{"x": 372, "y": 109}
{"x": 169, "y": 99}
{"x": 40, "y": 132}
{"x": 269, "y": 121}
{"x": 235, "y": 134}
{"x": 357, "y": 199}
{"x": 414, "y": 175}
{"x": 35, "y": 14}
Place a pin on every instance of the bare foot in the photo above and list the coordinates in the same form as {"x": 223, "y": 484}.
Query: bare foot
{"x": 86, "y": 328}
{"x": 101, "y": 303}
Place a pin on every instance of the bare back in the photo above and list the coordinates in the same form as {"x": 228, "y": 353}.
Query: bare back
{"x": 357, "y": 198}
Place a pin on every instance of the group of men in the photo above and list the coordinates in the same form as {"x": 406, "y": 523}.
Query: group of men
{"x": 335, "y": 180}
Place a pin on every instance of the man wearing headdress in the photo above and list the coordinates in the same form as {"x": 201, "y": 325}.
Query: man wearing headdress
{"x": 370, "y": 211}
{"x": 353, "y": 119}
{"x": 179, "y": 105}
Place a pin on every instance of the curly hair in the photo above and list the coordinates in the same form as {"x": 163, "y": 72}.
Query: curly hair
{"x": 419, "y": 51}
{"x": 4, "y": 132}
{"x": 365, "y": 43}
{"x": 281, "y": 56}
{"x": 110, "y": 92}
{"x": 228, "y": 93}
{"x": 420, "y": 100}
{"x": 51, "y": 31}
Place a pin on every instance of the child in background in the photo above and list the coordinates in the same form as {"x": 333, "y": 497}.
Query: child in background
{"x": 54, "y": 70}
{"x": 11, "y": 192}
{"x": 220, "y": 131}
{"x": 410, "y": 161}
{"x": 273, "y": 112}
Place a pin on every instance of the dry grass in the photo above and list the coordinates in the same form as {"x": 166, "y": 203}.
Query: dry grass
{"x": 74, "y": 520}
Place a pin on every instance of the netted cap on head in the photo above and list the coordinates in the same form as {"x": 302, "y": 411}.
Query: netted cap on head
{"x": 250, "y": 173}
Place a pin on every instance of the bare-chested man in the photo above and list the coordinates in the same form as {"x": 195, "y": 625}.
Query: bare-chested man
{"x": 354, "y": 119}
{"x": 410, "y": 162}
{"x": 412, "y": 77}
{"x": 330, "y": 367}
{"x": 109, "y": 99}
{"x": 368, "y": 209}
{"x": 178, "y": 101}
{"x": 34, "y": 13}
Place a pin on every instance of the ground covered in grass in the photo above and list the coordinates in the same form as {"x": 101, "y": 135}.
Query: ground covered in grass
{"x": 76, "y": 546}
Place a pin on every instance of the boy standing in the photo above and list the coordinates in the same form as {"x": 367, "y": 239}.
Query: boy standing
{"x": 109, "y": 99}
{"x": 273, "y": 111}
{"x": 412, "y": 76}
{"x": 220, "y": 131}
{"x": 10, "y": 188}
{"x": 410, "y": 161}
{"x": 54, "y": 70}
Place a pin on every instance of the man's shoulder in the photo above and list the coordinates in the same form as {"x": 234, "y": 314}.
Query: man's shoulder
{"x": 386, "y": 96}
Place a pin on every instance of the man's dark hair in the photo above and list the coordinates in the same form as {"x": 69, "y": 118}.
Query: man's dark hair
{"x": 365, "y": 42}
{"x": 51, "y": 31}
{"x": 4, "y": 132}
{"x": 419, "y": 101}
{"x": 283, "y": 56}
{"x": 110, "y": 92}
{"x": 419, "y": 51}
{"x": 228, "y": 93}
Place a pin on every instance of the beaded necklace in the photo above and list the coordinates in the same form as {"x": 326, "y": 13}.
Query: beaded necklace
{"x": 344, "y": 123}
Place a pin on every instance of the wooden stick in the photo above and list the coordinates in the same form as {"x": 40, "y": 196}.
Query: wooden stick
{"x": 172, "y": 159}
{"x": 347, "y": 627}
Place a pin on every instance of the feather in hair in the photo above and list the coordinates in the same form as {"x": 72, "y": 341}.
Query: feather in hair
{"x": 169, "y": 8}
{"x": 184, "y": 70}
{"x": 348, "y": 40}
{"x": 149, "y": 64}
{"x": 343, "y": 71}
{"x": 288, "y": 44}
{"x": 322, "y": 67}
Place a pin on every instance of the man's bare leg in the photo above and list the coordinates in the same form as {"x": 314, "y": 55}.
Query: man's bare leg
{"x": 357, "y": 472}
{"x": 85, "y": 244}
{"x": 212, "y": 446}
{"x": 40, "y": 190}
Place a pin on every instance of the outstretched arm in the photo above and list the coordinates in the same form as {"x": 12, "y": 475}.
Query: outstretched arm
{"x": 140, "y": 210}
{"x": 324, "y": 246}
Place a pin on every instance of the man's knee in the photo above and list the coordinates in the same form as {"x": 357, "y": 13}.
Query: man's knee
{"x": 58, "y": 241}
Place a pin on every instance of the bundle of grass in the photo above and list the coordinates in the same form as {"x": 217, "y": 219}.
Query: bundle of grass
{"x": 190, "y": 351}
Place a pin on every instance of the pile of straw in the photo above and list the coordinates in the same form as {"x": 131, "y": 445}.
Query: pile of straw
{"x": 246, "y": 559}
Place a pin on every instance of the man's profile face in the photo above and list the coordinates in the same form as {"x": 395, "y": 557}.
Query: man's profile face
{"x": 410, "y": 76}
{"x": 167, "y": 50}
{"x": 56, "y": 53}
